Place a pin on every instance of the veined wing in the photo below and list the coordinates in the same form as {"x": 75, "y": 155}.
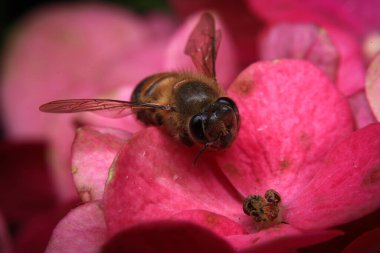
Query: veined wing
{"x": 117, "y": 108}
{"x": 203, "y": 45}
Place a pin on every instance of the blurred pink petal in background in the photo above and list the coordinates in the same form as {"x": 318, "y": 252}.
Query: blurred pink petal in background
{"x": 72, "y": 51}
{"x": 373, "y": 86}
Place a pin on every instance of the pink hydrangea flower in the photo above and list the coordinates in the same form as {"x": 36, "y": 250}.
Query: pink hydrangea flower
{"x": 300, "y": 41}
{"x": 330, "y": 48}
{"x": 296, "y": 138}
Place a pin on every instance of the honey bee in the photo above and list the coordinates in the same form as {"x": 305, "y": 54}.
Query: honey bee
{"x": 192, "y": 107}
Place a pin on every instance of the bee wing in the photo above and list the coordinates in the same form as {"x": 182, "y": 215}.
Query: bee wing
{"x": 203, "y": 45}
{"x": 106, "y": 107}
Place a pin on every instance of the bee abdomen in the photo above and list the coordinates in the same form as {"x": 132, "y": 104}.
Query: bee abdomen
{"x": 153, "y": 89}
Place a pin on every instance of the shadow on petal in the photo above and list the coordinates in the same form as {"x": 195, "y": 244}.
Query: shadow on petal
{"x": 165, "y": 237}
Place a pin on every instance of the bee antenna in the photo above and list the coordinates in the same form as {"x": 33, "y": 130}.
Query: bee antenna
{"x": 201, "y": 152}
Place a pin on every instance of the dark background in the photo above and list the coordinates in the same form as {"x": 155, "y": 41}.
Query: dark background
{"x": 11, "y": 11}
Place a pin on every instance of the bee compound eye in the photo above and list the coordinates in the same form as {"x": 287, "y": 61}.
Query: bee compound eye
{"x": 230, "y": 103}
{"x": 227, "y": 101}
{"x": 196, "y": 127}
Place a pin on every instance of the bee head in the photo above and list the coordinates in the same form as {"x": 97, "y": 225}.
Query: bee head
{"x": 217, "y": 126}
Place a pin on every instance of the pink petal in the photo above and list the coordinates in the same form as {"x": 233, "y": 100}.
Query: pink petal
{"x": 154, "y": 179}
{"x": 366, "y": 243}
{"x": 291, "y": 116}
{"x": 176, "y": 59}
{"x": 167, "y": 236}
{"x": 371, "y": 45}
{"x": 282, "y": 238}
{"x": 333, "y": 17}
{"x": 373, "y": 86}
{"x": 83, "y": 41}
{"x": 351, "y": 73}
{"x": 82, "y": 230}
{"x": 301, "y": 41}
{"x": 218, "y": 223}
{"x": 94, "y": 149}
{"x": 361, "y": 110}
{"x": 362, "y": 13}
{"x": 346, "y": 186}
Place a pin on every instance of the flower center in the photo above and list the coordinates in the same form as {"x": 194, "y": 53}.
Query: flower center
{"x": 264, "y": 210}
